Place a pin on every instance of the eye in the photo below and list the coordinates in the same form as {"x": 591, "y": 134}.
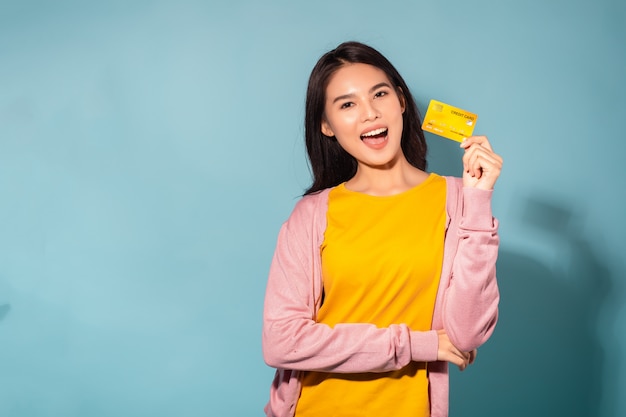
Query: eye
{"x": 380, "y": 93}
{"x": 346, "y": 105}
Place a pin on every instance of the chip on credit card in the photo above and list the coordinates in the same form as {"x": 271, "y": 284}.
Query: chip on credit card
{"x": 448, "y": 121}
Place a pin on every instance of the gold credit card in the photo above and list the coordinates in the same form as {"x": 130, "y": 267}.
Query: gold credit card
{"x": 448, "y": 121}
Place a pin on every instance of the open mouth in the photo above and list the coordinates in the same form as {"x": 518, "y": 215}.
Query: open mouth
{"x": 375, "y": 134}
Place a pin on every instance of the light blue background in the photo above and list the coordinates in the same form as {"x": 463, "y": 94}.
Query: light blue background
{"x": 149, "y": 151}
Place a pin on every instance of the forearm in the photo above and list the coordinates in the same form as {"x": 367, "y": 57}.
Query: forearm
{"x": 471, "y": 302}
{"x": 346, "y": 348}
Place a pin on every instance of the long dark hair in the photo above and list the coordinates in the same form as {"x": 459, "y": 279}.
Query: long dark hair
{"x": 330, "y": 164}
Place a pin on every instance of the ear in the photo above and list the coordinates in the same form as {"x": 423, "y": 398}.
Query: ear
{"x": 326, "y": 130}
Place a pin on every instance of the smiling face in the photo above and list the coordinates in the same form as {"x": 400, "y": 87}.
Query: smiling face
{"x": 363, "y": 111}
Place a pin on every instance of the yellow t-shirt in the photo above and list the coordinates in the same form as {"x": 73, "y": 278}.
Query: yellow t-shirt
{"x": 381, "y": 264}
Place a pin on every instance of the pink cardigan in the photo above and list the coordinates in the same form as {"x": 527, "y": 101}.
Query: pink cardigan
{"x": 466, "y": 304}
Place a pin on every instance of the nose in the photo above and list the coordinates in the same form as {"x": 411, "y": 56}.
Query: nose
{"x": 369, "y": 111}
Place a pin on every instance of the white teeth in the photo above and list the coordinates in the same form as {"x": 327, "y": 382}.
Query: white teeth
{"x": 375, "y": 132}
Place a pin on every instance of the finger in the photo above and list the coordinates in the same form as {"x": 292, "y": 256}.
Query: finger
{"x": 469, "y": 359}
{"x": 479, "y": 140}
{"x": 473, "y": 164}
{"x": 464, "y": 364}
{"x": 478, "y": 145}
{"x": 484, "y": 151}
{"x": 479, "y": 161}
{"x": 462, "y": 356}
{"x": 453, "y": 355}
{"x": 449, "y": 353}
{"x": 473, "y": 355}
{"x": 478, "y": 158}
{"x": 460, "y": 362}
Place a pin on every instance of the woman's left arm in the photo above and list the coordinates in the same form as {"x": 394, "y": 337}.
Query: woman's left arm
{"x": 471, "y": 301}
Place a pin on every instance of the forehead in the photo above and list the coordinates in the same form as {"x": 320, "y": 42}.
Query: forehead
{"x": 355, "y": 77}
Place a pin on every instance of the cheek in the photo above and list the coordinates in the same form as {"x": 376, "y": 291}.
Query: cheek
{"x": 341, "y": 123}
{"x": 401, "y": 113}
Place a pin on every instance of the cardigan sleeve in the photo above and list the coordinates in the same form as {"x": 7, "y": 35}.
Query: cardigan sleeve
{"x": 292, "y": 339}
{"x": 470, "y": 304}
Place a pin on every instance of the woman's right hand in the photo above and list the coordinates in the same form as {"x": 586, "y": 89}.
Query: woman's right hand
{"x": 449, "y": 353}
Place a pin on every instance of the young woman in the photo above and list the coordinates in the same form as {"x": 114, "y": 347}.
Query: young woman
{"x": 383, "y": 273}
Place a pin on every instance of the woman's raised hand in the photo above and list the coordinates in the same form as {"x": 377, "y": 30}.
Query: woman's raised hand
{"x": 481, "y": 166}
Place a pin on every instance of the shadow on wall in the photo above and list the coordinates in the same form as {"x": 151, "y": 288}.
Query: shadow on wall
{"x": 4, "y": 310}
{"x": 545, "y": 357}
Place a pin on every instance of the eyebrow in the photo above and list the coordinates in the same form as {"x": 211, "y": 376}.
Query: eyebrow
{"x": 376, "y": 87}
